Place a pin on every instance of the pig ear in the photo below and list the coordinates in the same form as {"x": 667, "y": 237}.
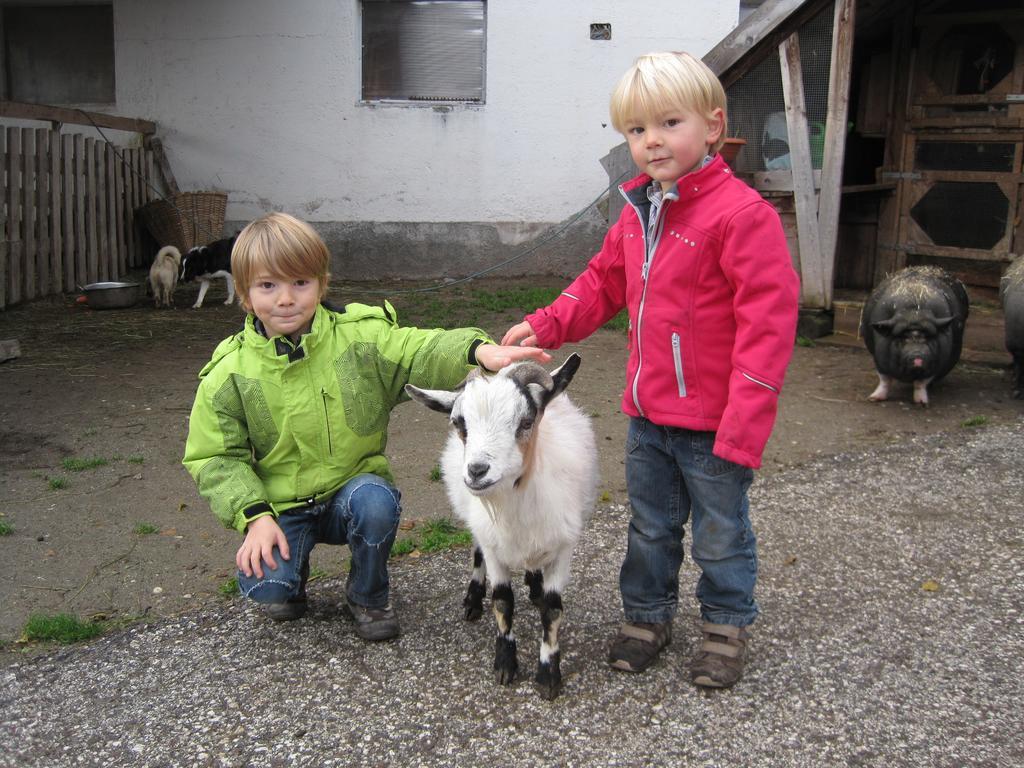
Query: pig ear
{"x": 942, "y": 322}
{"x": 884, "y": 326}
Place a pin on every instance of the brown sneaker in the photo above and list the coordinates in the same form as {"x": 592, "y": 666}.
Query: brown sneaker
{"x": 719, "y": 662}
{"x": 374, "y": 623}
{"x": 636, "y": 646}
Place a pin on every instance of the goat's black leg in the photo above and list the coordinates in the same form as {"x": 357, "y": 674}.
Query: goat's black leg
{"x": 549, "y": 672}
{"x": 535, "y": 581}
{"x": 505, "y": 663}
{"x": 473, "y": 602}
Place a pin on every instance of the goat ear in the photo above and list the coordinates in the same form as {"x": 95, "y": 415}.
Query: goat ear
{"x": 563, "y": 374}
{"x": 435, "y": 399}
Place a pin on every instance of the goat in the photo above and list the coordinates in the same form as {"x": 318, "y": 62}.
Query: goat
{"x": 520, "y": 468}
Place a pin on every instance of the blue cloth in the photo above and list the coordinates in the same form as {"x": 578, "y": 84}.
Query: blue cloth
{"x": 363, "y": 514}
{"x": 673, "y": 477}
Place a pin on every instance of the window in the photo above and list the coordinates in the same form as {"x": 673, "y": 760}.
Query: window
{"x": 427, "y": 50}
{"x": 59, "y": 54}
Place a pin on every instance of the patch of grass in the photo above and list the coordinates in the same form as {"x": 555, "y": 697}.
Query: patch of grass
{"x": 435, "y": 535}
{"x": 435, "y": 473}
{"x": 974, "y": 421}
{"x": 403, "y": 547}
{"x": 57, "y": 483}
{"x": 522, "y": 299}
{"x": 443, "y": 534}
{"x": 803, "y": 341}
{"x": 317, "y": 573}
{"x": 605, "y": 497}
{"x": 619, "y": 323}
{"x": 80, "y": 465}
{"x": 144, "y": 529}
{"x": 6, "y": 529}
{"x": 136, "y": 459}
{"x": 62, "y": 628}
{"x": 229, "y": 588}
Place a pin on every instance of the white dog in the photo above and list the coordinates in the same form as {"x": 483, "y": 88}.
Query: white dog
{"x": 163, "y": 275}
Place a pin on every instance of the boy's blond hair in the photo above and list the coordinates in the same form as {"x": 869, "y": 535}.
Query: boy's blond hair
{"x": 280, "y": 245}
{"x": 660, "y": 82}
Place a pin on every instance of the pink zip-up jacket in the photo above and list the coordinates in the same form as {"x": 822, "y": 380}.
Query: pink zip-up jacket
{"x": 712, "y": 308}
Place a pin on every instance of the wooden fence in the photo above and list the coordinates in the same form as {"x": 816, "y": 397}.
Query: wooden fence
{"x": 67, "y": 206}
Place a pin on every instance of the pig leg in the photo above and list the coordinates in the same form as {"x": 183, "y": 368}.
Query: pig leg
{"x": 882, "y": 390}
{"x": 921, "y": 391}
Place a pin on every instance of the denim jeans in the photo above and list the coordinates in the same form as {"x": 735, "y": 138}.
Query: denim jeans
{"x": 672, "y": 477}
{"x": 363, "y": 514}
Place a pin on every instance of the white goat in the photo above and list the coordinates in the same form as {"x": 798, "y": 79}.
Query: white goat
{"x": 520, "y": 467}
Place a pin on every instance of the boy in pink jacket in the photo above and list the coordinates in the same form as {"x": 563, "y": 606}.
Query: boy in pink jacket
{"x": 700, "y": 261}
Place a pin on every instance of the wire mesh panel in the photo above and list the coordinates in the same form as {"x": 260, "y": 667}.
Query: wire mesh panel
{"x": 757, "y": 109}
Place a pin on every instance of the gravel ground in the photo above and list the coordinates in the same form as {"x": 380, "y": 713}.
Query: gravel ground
{"x": 891, "y": 635}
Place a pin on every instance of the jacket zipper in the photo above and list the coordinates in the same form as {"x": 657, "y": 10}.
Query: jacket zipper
{"x": 649, "y": 249}
{"x": 677, "y": 358}
{"x": 327, "y": 421}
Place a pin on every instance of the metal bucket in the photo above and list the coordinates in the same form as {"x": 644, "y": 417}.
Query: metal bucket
{"x": 112, "y": 295}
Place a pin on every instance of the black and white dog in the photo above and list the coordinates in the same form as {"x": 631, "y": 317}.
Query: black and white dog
{"x": 205, "y": 262}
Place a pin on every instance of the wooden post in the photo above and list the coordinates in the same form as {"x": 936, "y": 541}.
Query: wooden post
{"x": 17, "y": 247}
{"x": 119, "y": 192}
{"x": 92, "y": 245}
{"x": 102, "y": 242}
{"x": 29, "y": 213}
{"x": 68, "y": 218}
{"x": 43, "y": 216}
{"x": 812, "y": 280}
{"x": 81, "y": 256}
{"x": 5, "y": 237}
{"x": 56, "y": 202}
{"x": 835, "y": 140}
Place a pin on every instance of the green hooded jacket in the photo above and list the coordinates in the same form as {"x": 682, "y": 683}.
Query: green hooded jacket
{"x": 276, "y": 426}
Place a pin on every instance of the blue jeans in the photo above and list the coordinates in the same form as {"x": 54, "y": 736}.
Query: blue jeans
{"x": 672, "y": 475}
{"x": 363, "y": 514}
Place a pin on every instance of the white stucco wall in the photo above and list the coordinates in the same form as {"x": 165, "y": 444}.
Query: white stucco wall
{"x": 260, "y": 98}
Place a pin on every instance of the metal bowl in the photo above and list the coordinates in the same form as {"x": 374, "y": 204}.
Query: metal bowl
{"x": 112, "y": 295}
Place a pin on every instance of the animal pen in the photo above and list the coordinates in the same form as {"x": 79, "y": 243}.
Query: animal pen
{"x": 77, "y": 209}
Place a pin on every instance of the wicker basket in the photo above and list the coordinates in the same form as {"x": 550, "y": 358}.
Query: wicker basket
{"x": 186, "y": 220}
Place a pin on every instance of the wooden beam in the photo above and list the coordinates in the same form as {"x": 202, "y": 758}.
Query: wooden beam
{"x": 164, "y": 166}
{"x": 835, "y": 139}
{"x": 765, "y": 28}
{"x": 23, "y": 111}
{"x": 812, "y": 279}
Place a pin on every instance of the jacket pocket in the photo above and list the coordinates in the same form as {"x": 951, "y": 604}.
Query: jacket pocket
{"x": 677, "y": 362}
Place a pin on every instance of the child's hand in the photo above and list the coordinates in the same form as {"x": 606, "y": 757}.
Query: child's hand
{"x": 492, "y": 357}
{"x": 263, "y": 534}
{"x": 521, "y": 334}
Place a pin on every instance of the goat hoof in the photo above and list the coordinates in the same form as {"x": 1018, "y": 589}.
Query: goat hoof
{"x": 549, "y": 678}
{"x": 505, "y": 663}
{"x": 473, "y": 602}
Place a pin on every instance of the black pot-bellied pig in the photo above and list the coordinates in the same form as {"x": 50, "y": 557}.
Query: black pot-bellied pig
{"x": 913, "y": 326}
{"x": 1011, "y": 294}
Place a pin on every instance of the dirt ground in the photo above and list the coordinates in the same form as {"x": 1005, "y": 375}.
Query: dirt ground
{"x": 131, "y": 539}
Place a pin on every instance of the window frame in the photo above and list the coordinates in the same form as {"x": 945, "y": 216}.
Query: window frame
{"x": 425, "y": 100}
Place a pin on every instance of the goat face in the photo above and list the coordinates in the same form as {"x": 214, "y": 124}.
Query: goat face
{"x": 494, "y": 420}
{"x": 495, "y": 417}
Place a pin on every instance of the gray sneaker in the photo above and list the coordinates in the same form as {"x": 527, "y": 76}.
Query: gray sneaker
{"x": 294, "y": 608}
{"x": 374, "y": 623}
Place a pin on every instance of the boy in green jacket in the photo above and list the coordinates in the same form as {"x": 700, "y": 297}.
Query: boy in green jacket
{"x": 287, "y": 433}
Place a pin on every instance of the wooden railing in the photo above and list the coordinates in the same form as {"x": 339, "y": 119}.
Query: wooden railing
{"x": 67, "y": 201}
